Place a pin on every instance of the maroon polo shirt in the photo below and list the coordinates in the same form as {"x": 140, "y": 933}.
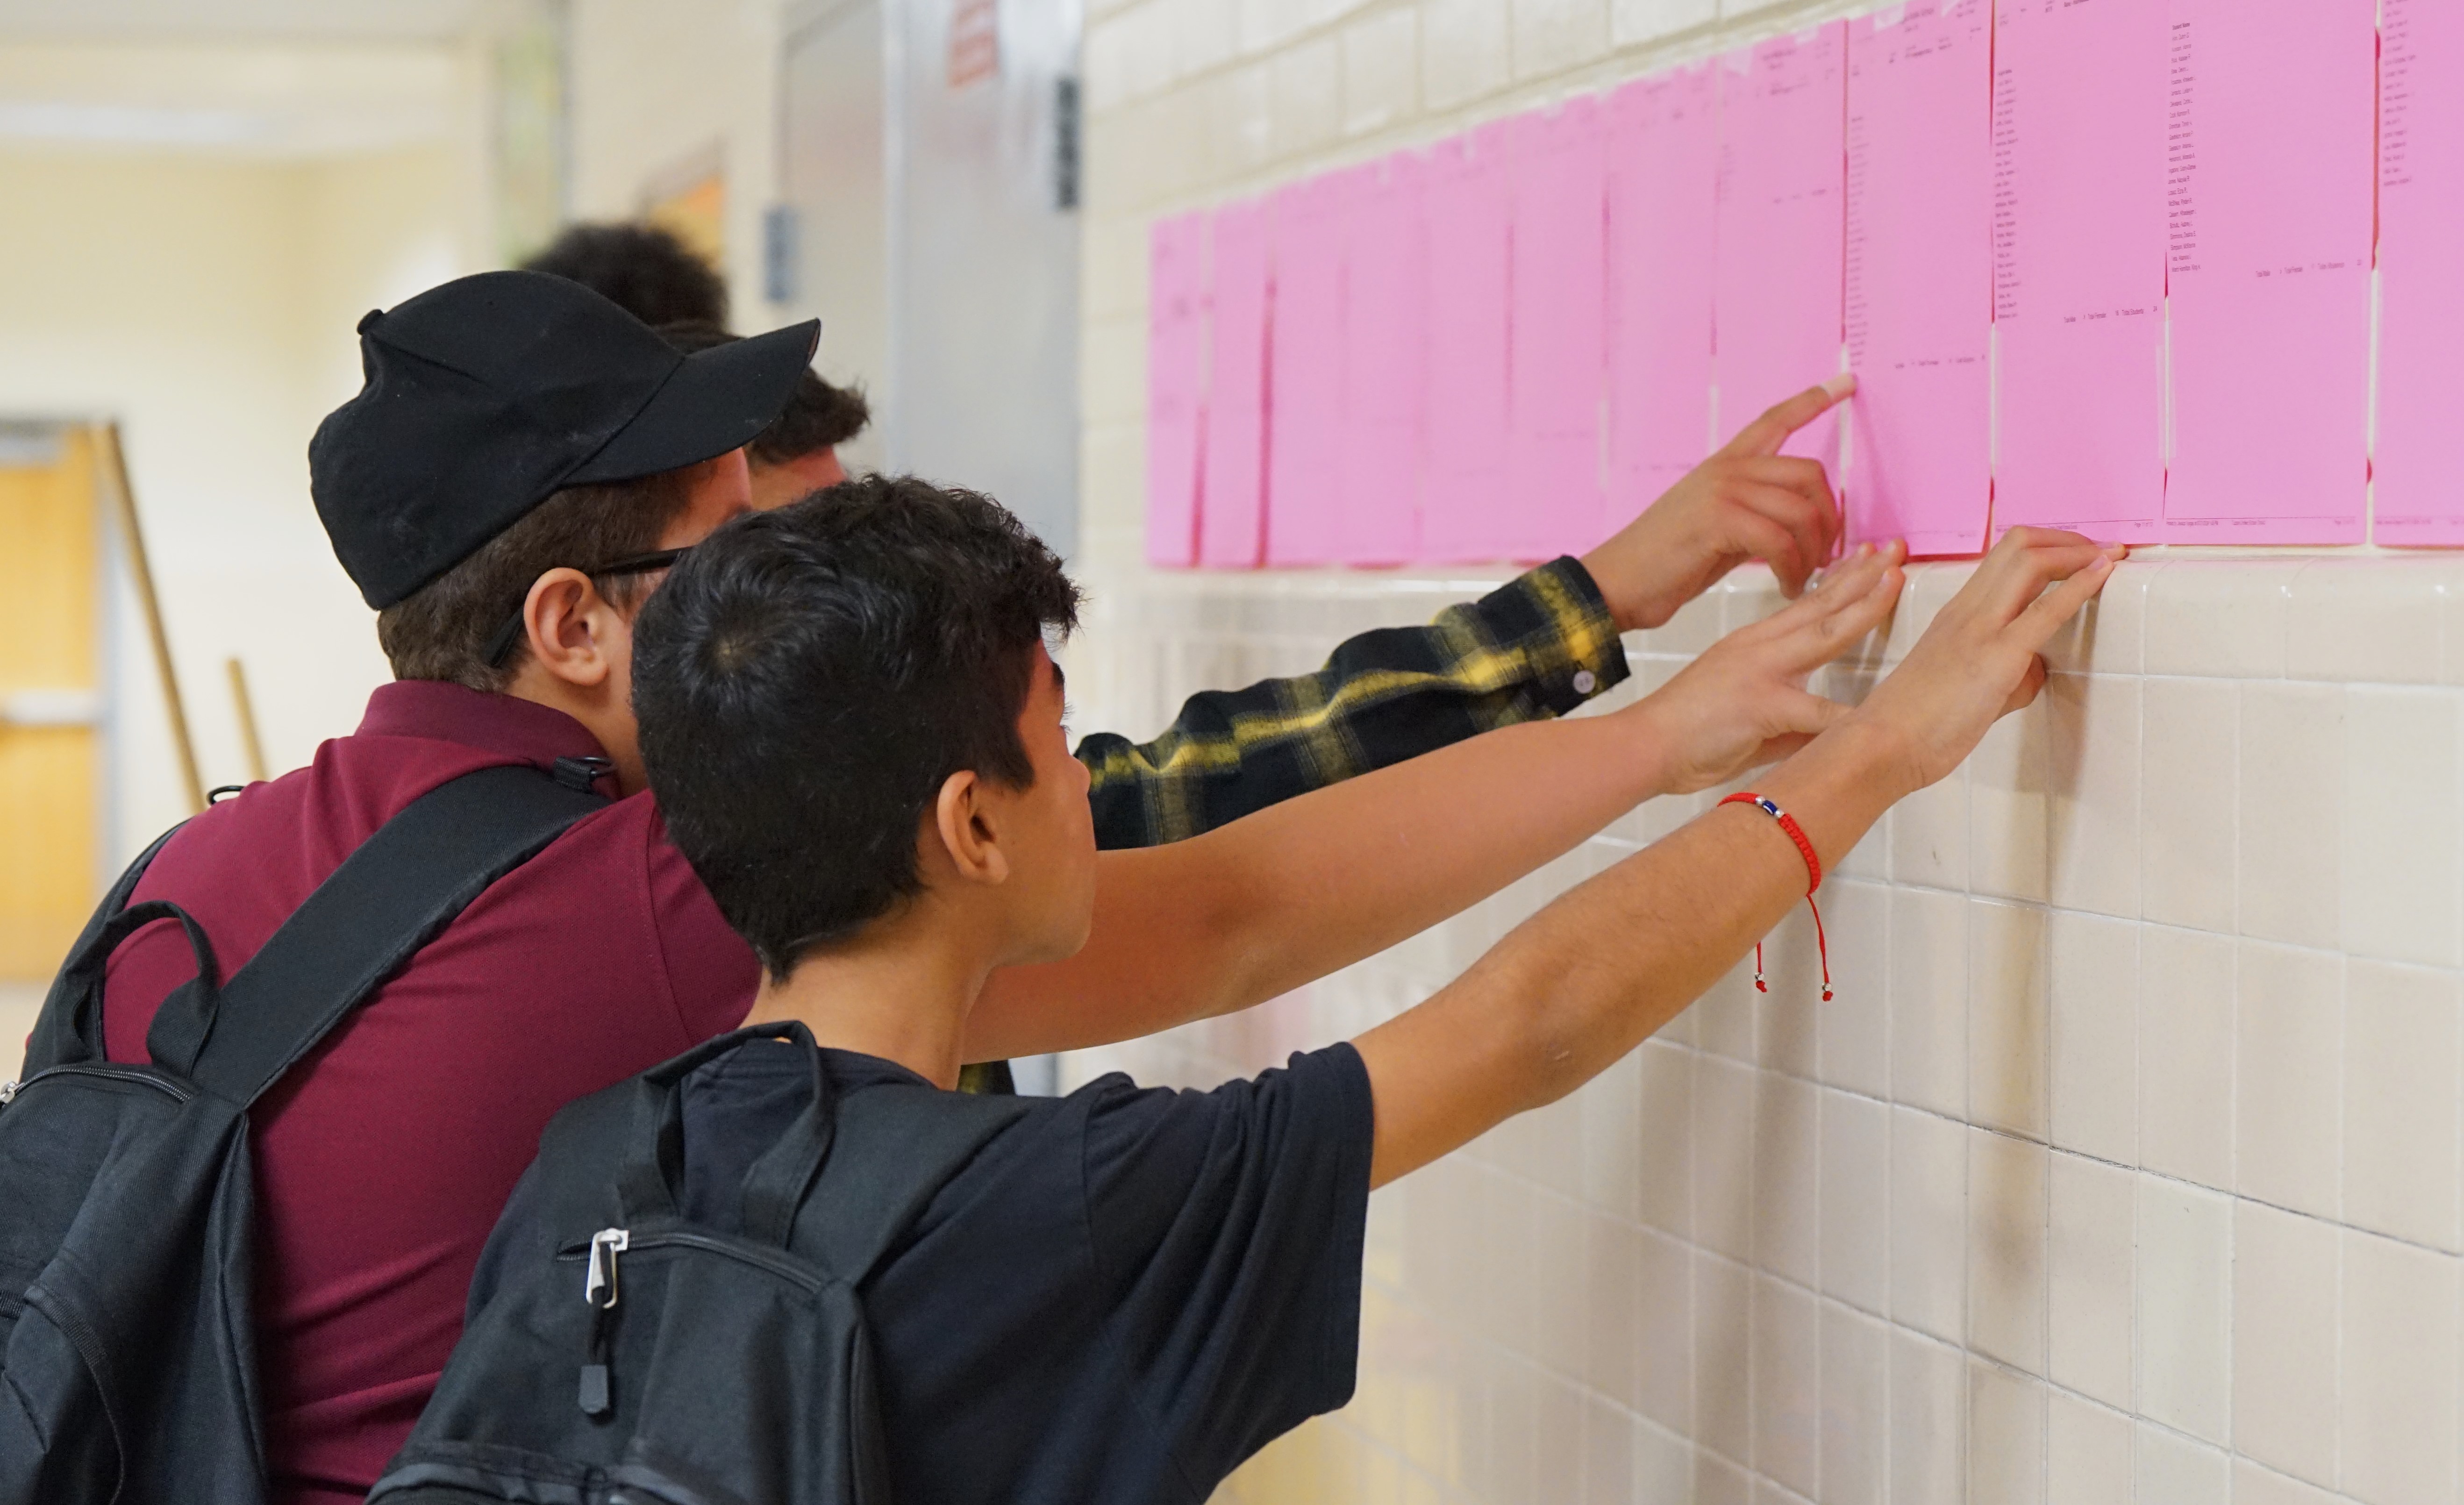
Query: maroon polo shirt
{"x": 379, "y": 1172}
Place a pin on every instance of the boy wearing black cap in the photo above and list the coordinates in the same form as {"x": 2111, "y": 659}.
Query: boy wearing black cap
{"x": 522, "y": 461}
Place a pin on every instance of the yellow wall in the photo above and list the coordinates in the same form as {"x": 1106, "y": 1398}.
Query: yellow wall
{"x": 208, "y": 304}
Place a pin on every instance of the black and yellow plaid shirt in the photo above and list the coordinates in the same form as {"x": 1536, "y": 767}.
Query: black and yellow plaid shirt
{"x": 1537, "y": 646}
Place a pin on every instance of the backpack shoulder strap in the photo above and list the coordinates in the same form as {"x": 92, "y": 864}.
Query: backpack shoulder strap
{"x": 391, "y": 897}
{"x": 69, "y": 1026}
{"x": 895, "y": 1148}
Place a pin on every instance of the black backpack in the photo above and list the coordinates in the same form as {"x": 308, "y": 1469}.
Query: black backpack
{"x": 630, "y": 1357}
{"x": 127, "y": 1356}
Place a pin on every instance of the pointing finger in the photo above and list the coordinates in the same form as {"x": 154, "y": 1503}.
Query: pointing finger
{"x": 1766, "y": 434}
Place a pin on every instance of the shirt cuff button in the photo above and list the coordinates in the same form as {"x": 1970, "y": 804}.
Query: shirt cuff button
{"x": 1585, "y": 681}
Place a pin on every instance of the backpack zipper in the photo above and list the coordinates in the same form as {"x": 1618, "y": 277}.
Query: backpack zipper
{"x": 10, "y": 1091}
{"x": 786, "y": 1267}
{"x": 597, "y": 1393}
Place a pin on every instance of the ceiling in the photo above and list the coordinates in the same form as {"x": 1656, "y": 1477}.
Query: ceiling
{"x": 254, "y": 20}
{"x": 258, "y": 79}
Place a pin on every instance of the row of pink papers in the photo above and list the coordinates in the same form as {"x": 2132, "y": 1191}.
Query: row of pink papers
{"x": 2268, "y": 268}
{"x": 2420, "y": 307}
{"x": 1437, "y": 359}
{"x": 1919, "y": 299}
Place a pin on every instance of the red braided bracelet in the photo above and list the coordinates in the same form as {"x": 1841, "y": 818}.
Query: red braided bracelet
{"x": 1813, "y": 880}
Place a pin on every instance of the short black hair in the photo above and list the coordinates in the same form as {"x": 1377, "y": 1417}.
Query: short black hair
{"x": 642, "y": 269}
{"x": 807, "y": 678}
{"x": 818, "y": 417}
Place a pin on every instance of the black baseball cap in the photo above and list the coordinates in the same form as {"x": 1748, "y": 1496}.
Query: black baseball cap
{"x": 489, "y": 393}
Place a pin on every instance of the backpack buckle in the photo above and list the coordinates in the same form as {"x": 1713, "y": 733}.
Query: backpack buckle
{"x": 580, "y": 773}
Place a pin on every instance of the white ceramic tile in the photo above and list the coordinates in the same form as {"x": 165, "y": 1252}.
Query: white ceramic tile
{"x": 1719, "y": 1482}
{"x": 1786, "y": 1185}
{"x": 2291, "y": 789}
{"x": 2185, "y": 1055}
{"x": 2005, "y": 1249}
{"x": 2186, "y": 831}
{"x": 1608, "y": 1454}
{"x": 1854, "y": 1028}
{"x": 1558, "y": 1440}
{"x": 2397, "y": 1422}
{"x": 1855, "y": 1416}
{"x": 1554, "y": 36}
{"x": 1381, "y": 67}
{"x": 2185, "y": 1298}
{"x": 2288, "y": 1069}
{"x": 2402, "y": 858}
{"x": 2007, "y": 1033}
{"x": 1663, "y": 1465}
{"x": 1724, "y": 1156}
{"x": 1632, "y": 22}
{"x": 1563, "y": 1306}
{"x": 1664, "y": 1171}
{"x": 2401, "y": 1082}
{"x": 1723, "y": 1342}
{"x": 2284, "y": 1340}
{"x": 2005, "y": 1437}
{"x": 2009, "y": 775}
{"x": 2252, "y": 1485}
{"x": 1855, "y": 1199}
{"x": 2087, "y": 1453}
{"x": 2092, "y": 762}
{"x": 1663, "y": 1360}
{"x": 1929, "y": 1000}
{"x": 1929, "y": 834}
{"x": 1928, "y": 1402}
{"x": 2373, "y": 619}
{"x": 2089, "y": 1255}
{"x": 1612, "y": 1150}
{"x": 2106, "y": 637}
{"x": 1787, "y": 1383}
{"x": 2093, "y": 1077}
{"x": 1785, "y": 1017}
{"x": 1930, "y": 587}
{"x": 2172, "y": 1470}
{"x": 2220, "y": 617}
{"x": 1463, "y": 53}
{"x": 1928, "y": 1223}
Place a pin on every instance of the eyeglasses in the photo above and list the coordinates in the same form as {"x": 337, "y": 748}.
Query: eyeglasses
{"x": 511, "y": 633}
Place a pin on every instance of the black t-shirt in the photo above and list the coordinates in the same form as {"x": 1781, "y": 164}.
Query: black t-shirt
{"x": 1127, "y": 1292}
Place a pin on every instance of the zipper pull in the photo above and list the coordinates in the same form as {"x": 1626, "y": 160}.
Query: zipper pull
{"x": 8, "y": 1092}
{"x": 598, "y": 1292}
{"x": 605, "y": 1246}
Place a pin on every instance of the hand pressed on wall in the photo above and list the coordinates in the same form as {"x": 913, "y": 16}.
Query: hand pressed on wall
{"x": 1744, "y": 703}
{"x": 1747, "y": 502}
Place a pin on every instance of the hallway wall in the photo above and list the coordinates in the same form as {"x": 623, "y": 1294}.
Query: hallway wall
{"x": 2125, "y": 1165}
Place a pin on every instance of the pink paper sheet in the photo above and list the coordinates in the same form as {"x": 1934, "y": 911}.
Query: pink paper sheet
{"x": 1234, "y": 454}
{"x": 1776, "y": 303}
{"x": 1920, "y": 276}
{"x": 2421, "y": 298}
{"x": 2270, "y": 269}
{"x": 1464, "y": 487}
{"x": 1175, "y": 385}
{"x": 1558, "y": 349}
{"x": 1663, "y": 155}
{"x": 1305, "y": 371}
{"x": 1385, "y": 364}
{"x": 2079, "y": 92}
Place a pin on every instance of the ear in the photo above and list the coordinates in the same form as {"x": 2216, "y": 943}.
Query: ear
{"x": 569, "y": 625}
{"x": 969, "y": 829}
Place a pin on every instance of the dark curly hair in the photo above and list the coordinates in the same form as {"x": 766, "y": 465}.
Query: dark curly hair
{"x": 642, "y": 269}
{"x": 807, "y": 678}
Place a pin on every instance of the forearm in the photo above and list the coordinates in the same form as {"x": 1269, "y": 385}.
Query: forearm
{"x": 1252, "y": 910}
{"x": 1597, "y": 971}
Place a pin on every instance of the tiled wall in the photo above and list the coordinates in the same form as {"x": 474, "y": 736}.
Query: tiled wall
{"x": 2126, "y": 1166}
{"x": 2126, "y": 1160}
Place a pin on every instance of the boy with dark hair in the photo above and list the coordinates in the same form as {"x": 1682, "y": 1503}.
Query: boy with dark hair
{"x": 1125, "y": 1293}
{"x": 641, "y": 269}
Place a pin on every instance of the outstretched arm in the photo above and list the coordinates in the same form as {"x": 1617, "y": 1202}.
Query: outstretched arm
{"x": 1534, "y": 648}
{"x": 1596, "y": 973}
{"x": 1241, "y": 914}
